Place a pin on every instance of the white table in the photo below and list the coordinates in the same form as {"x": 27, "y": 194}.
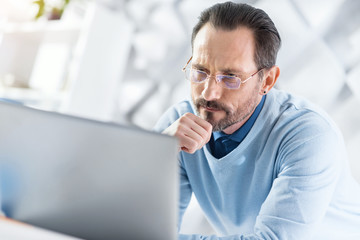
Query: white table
{"x": 14, "y": 230}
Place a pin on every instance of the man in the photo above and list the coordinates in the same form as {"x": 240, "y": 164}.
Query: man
{"x": 262, "y": 163}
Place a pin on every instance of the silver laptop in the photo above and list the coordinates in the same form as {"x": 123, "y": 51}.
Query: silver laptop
{"x": 85, "y": 178}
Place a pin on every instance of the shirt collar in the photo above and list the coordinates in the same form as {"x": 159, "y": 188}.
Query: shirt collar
{"x": 241, "y": 133}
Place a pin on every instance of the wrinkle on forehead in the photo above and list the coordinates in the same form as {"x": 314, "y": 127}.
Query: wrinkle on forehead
{"x": 218, "y": 48}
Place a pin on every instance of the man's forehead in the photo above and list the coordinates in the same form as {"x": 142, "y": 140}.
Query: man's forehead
{"x": 228, "y": 49}
{"x": 208, "y": 30}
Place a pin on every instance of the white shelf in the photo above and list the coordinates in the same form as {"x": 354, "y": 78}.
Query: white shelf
{"x": 33, "y": 98}
{"x": 14, "y": 230}
{"x": 41, "y": 27}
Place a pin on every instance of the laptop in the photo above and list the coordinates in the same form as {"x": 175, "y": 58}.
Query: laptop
{"x": 85, "y": 178}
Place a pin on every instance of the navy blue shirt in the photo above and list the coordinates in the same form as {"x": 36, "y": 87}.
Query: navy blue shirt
{"x": 221, "y": 143}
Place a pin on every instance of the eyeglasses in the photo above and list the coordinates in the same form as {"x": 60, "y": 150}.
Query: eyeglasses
{"x": 226, "y": 81}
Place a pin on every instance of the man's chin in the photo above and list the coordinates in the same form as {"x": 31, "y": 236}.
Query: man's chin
{"x": 216, "y": 119}
{"x": 218, "y": 125}
{"x": 221, "y": 124}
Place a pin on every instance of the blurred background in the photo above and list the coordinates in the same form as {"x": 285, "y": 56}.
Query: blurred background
{"x": 120, "y": 60}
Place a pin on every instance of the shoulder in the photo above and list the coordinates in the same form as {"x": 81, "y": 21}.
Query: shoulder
{"x": 298, "y": 114}
{"x": 173, "y": 113}
{"x": 304, "y": 132}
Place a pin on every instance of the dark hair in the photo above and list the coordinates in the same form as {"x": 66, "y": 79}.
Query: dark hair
{"x": 229, "y": 16}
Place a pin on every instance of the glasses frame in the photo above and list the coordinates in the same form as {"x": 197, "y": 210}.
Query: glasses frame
{"x": 208, "y": 76}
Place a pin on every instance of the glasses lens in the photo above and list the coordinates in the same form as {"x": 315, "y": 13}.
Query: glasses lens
{"x": 187, "y": 72}
{"x": 197, "y": 76}
{"x": 228, "y": 81}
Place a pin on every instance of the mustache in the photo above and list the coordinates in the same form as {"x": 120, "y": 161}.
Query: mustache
{"x": 211, "y": 104}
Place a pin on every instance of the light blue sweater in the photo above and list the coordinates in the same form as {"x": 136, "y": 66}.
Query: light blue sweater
{"x": 288, "y": 179}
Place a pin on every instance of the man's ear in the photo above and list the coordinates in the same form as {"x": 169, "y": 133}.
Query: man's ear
{"x": 270, "y": 78}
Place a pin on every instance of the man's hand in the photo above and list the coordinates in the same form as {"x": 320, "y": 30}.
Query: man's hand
{"x": 192, "y": 131}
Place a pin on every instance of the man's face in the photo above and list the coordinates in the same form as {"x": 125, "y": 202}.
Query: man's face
{"x": 217, "y": 51}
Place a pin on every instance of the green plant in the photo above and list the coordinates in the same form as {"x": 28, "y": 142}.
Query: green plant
{"x": 53, "y": 12}
{"x": 41, "y": 10}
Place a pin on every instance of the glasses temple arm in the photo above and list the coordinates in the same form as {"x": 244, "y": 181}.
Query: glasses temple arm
{"x": 187, "y": 64}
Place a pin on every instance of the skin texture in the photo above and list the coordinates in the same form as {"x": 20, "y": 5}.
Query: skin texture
{"x": 218, "y": 51}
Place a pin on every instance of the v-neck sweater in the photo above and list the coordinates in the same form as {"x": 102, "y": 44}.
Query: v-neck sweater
{"x": 288, "y": 179}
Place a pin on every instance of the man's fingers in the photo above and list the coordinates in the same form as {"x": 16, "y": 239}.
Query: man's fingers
{"x": 201, "y": 122}
{"x": 192, "y": 131}
{"x": 189, "y": 145}
{"x": 198, "y": 128}
{"x": 187, "y": 135}
{"x": 205, "y": 130}
{"x": 192, "y": 128}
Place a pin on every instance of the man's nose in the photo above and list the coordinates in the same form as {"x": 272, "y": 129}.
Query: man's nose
{"x": 212, "y": 90}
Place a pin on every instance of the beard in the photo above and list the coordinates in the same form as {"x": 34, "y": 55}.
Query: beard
{"x": 231, "y": 117}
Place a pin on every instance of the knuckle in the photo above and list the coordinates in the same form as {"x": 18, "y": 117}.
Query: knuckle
{"x": 187, "y": 114}
{"x": 208, "y": 129}
{"x": 182, "y": 120}
{"x": 181, "y": 129}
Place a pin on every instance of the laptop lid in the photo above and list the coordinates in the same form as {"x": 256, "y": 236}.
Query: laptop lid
{"x": 85, "y": 178}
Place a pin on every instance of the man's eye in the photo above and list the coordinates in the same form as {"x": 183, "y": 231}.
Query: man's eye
{"x": 230, "y": 75}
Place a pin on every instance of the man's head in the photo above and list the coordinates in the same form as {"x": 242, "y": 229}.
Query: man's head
{"x": 230, "y": 16}
{"x": 233, "y": 40}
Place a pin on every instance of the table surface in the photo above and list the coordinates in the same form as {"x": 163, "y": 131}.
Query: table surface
{"x": 14, "y": 230}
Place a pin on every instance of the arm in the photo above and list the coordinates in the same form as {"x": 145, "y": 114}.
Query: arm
{"x": 307, "y": 173}
{"x": 185, "y": 195}
{"x": 193, "y": 133}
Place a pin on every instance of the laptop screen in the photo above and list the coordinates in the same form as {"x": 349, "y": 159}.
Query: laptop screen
{"x": 85, "y": 178}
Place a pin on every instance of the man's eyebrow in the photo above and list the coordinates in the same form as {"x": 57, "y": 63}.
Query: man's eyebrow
{"x": 231, "y": 70}
{"x": 223, "y": 70}
{"x": 198, "y": 66}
